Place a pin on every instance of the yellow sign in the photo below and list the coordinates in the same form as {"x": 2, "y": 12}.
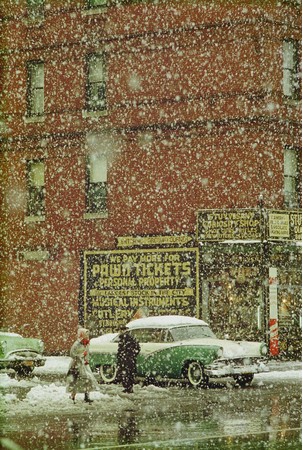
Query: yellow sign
{"x": 119, "y": 282}
{"x": 135, "y": 241}
{"x": 285, "y": 225}
{"x": 224, "y": 225}
{"x": 247, "y": 225}
{"x": 278, "y": 225}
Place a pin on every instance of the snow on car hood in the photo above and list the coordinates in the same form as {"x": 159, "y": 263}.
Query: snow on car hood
{"x": 232, "y": 349}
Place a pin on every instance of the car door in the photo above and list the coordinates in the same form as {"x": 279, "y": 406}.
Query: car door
{"x": 154, "y": 358}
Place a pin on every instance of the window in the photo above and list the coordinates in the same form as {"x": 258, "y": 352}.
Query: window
{"x": 35, "y": 186}
{"x": 35, "y": 88}
{"x": 35, "y": 10}
{"x": 96, "y": 98}
{"x": 291, "y": 177}
{"x": 96, "y": 185}
{"x": 290, "y": 69}
{"x": 97, "y": 3}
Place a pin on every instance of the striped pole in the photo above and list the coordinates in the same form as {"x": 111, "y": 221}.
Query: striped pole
{"x": 273, "y": 312}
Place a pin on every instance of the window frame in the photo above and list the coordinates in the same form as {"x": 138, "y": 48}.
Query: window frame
{"x": 94, "y": 200}
{"x": 93, "y": 106}
{"x": 292, "y": 198}
{"x": 35, "y": 10}
{"x": 290, "y": 79}
{"x": 33, "y": 91}
{"x": 35, "y": 204}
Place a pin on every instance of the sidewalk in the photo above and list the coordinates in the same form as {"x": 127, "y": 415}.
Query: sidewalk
{"x": 282, "y": 366}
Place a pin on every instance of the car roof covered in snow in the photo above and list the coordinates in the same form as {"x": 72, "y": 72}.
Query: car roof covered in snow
{"x": 164, "y": 322}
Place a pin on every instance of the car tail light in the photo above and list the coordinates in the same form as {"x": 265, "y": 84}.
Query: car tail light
{"x": 263, "y": 349}
{"x": 220, "y": 352}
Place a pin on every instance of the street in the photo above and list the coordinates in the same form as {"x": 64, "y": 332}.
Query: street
{"x": 37, "y": 414}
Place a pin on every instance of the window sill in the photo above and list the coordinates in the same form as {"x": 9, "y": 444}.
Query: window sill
{"x": 88, "y": 114}
{"x": 93, "y": 11}
{"x": 34, "y": 255}
{"x": 34, "y": 22}
{"x": 31, "y": 219}
{"x": 33, "y": 119}
{"x": 100, "y": 215}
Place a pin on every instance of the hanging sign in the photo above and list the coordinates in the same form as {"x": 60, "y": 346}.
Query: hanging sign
{"x": 223, "y": 225}
{"x": 285, "y": 225}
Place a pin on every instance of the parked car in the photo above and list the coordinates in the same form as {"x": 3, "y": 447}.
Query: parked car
{"x": 180, "y": 348}
{"x": 20, "y": 354}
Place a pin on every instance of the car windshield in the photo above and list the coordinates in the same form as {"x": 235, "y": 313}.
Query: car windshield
{"x": 192, "y": 332}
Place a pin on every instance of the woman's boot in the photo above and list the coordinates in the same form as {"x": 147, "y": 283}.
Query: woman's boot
{"x": 87, "y": 399}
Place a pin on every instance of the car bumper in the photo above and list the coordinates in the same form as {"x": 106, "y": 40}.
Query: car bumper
{"x": 19, "y": 363}
{"x": 220, "y": 369}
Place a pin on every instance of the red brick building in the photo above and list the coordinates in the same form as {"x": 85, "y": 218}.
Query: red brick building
{"x": 125, "y": 119}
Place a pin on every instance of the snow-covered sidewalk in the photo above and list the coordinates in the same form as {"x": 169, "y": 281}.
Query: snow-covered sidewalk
{"x": 45, "y": 392}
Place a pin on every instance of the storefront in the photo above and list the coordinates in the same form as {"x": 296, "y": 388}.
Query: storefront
{"x": 243, "y": 278}
{"x": 238, "y": 249}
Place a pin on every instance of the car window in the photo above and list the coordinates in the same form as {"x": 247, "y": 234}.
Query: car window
{"x": 168, "y": 337}
{"x": 192, "y": 332}
{"x": 145, "y": 335}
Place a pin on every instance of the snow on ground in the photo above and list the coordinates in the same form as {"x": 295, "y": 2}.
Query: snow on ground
{"x": 36, "y": 395}
{"x": 39, "y": 396}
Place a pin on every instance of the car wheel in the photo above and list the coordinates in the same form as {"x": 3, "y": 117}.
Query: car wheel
{"x": 149, "y": 379}
{"x": 244, "y": 380}
{"x": 108, "y": 373}
{"x": 24, "y": 371}
{"x": 195, "y": 374}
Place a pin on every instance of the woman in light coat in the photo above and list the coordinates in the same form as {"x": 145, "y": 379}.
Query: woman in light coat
{"x": 80, "y": 378}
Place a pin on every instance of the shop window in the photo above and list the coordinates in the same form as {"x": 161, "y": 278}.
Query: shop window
{"x": 96, "y": 83}
{"x": 291, "y": 177}
{"x": 96, "y": 184}
{"x": 290, "y": 69}
{"x": 35, "y": 9}
{"x": 35, "y": 188}
{"x": 35, "y": 88}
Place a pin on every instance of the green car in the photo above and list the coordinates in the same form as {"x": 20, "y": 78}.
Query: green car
{"x": 180, "y": 348}
{"x": 19, "y": 354}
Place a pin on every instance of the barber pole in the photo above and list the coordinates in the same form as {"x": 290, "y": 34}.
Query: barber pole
{"x": 273, "y": 312}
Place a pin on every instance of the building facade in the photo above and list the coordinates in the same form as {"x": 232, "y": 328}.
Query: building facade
{"x": 124, "y": 123}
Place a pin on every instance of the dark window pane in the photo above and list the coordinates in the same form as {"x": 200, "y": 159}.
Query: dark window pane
{"x": 96, "y": 198}
{"x": 96, "y": 85}
{"x": 36, "y": 202}
{"x": 35, "y": 188}
{"x": 35, "y": 89}
{"x": 96, "y": 96}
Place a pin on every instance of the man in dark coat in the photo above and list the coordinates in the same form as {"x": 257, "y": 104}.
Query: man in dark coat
{"x": 128, "y": 350}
